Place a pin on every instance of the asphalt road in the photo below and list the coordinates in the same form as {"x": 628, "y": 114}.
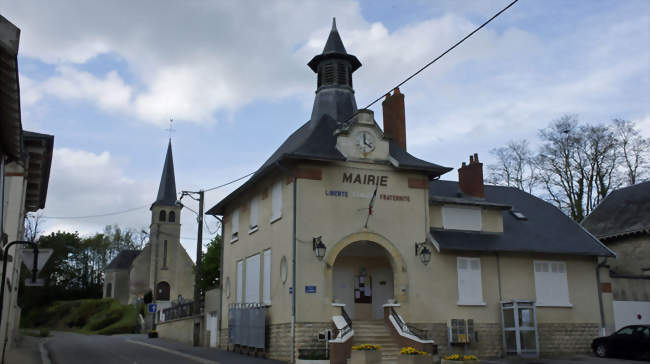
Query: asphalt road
{"x": 72, "y": 348}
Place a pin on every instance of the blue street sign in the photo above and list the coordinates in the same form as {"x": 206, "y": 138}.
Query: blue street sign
{"x": 290, "y": 290}
{"x": 152, "y": 308}
{"x": 310, "y": 289}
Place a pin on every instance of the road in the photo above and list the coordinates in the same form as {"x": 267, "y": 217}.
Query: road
{"x": 72, "y": 348}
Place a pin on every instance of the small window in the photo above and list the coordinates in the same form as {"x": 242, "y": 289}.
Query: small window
{"x": 254, "y": 212}
{"x": 341, "y": 74}
{"x": 276, "y": 201}
{"x": 109, "y": 290}
{"x": 164, "y": 263}
{"x": 551, "y": 286}
{"x": 470, "y": 287}
{"x": 172, "y": 216}
{"x": 518, "y": 215}
{"x": 235, "y": 225}
{"x": 162, "y": 216}
{"x": 162, "y": 291}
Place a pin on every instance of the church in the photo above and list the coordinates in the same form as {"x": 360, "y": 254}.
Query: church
{"x": 344, "y": 234}
{"x": 163, "y": 266}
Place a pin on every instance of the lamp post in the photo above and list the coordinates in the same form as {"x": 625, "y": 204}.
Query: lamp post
{"x": 199, "y": 258}
{"x": 4, "y": 268}
{"x": 423, "y": 252}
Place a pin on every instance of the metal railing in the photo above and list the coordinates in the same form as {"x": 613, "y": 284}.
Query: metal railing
{"x": 184, "y": 309}
{"x": 348, "y": 324}
{"x": 409, "y": 329}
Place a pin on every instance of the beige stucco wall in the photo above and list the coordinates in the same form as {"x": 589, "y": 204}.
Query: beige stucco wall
{"x": 211, "y": 300}
{"x": 119, "y": 278}
{"x": 139, "y": 275}
{"x": 633, "y": 254}
{"x": 181, "y": 330}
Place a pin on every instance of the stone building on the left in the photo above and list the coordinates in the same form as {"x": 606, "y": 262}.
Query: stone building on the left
{"x": 25, "y": 161}
{"x": 163, "y": 265}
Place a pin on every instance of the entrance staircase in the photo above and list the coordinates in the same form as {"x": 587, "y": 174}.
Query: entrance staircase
{"x": 376, "y": 332}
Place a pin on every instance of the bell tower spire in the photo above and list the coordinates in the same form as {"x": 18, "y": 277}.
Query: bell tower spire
{"x": 167, "y": 189}
{"x": 334, "y": 67}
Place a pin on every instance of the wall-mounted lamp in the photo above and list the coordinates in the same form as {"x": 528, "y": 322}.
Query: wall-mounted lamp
{"x": 319, "y": 247}
{"x": 424, "y": 252}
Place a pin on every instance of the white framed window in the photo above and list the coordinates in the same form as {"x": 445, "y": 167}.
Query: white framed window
{"x": 470, "y": 288}
{"x": 551, "y": 285}
{"x": 235, "y": 225}
{"x": 252, "y": 286}
{"x": 240, "y": 281}
{"x": 254, "y": 213}
{"x": 461, "y": 218}
{"x": 276, "y": 201}
{"x": 266, "y": 287}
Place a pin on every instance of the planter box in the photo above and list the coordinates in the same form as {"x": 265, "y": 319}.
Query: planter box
{"x": 415, "y": 359}
{"x": 309, "y": 361}
{"x": 445, "y": 361}
{"x": 365, "y": 357}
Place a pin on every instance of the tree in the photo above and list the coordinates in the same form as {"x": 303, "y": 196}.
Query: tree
{"x": 634, "y": 149}
{"x": 515, "y": 166}
{"x": 33, "y": 226}
{"x": 211, "y": 261}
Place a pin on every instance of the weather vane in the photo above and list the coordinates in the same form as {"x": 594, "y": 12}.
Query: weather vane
{"x": 170, "y": 130}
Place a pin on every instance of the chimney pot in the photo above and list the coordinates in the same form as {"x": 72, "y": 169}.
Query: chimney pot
{"x": 470, "y": 177}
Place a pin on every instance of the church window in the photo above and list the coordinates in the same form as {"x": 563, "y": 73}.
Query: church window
{"x": 341, "y": 74}
{"x": 276, "y": 201}
{"x": 109, "y": 290}
{"x": 235, "y": 225}
{"x": 162, "y": 216}
{"x": 164, "y": 264}
{"x": 162, "y": 291}
{"x": 328, "y": 73}
{"x": 172, "y": 216}
{"x": 254, "y": 212}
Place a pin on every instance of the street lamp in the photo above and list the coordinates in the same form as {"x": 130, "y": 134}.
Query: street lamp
{"x": 319, "y": 247}
{"x": 423, "y": 252}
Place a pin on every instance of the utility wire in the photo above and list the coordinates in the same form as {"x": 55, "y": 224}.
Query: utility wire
{"x": 228, "y": 183}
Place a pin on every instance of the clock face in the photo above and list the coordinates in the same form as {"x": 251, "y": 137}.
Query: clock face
{"x": 365, "y": 142}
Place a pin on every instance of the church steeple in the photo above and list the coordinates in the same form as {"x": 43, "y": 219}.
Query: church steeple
{"x": 334, "y": 93}
{"x": 167, "y": 188}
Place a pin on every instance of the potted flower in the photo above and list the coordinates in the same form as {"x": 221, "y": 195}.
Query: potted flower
{"x": 410, "y": 355}
{"x": 460, "y": 359}
{"x": 365, "y": 354}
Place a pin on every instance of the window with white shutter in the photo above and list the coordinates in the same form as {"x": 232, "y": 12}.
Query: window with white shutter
{"x": 551, "y": 284}
{"x": 240, "y": 281}
{"x": 470, "y": 288}
{"x": 235, "y": 225}
{"x": 276, "y": 201}
{"x": 252, "y": 227}
{"x": 461, "y": 218}
{"x": 266, "y": 288}
{"x": 253, "y": 279}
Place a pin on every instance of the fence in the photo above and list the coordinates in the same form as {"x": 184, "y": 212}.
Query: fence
{"x": 178, "y": 311}
{"x": 247, "y": 325}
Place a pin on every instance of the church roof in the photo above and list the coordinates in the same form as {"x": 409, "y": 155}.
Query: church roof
{"x": 624, "y": 211}
{"x": 334, "y": 48}
{"x": 528, "y": 233}
{"x": 167, "y": 189}
{"x": 123, "y": 259}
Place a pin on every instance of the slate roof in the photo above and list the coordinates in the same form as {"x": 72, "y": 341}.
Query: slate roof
{"x": 623, "y": 211}
{"x": 545, "y": 230}
{"x": 123, "y": 259}
{"x": 167, "y": 189}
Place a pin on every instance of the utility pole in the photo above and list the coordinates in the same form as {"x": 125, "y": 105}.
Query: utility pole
{"x": 197, "y": 276}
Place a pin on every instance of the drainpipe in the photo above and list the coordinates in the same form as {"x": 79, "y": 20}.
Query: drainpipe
{"x": 223, "y": 245}
{"x": 499, "y": 277}
{"x": 293, "y": 262}
{"x": 600, "y": 296}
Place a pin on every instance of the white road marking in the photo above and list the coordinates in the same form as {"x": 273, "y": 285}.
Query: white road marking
{"x": 188, "y": 356}
{"x": 45, "y": 358}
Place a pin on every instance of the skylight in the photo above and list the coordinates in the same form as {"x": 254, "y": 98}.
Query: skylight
{"x": 518, "y": 215}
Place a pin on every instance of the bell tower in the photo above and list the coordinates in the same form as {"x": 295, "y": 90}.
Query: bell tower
{"x": 164, "y": 235}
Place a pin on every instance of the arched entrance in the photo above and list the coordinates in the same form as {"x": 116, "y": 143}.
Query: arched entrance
{"x": 162, "y": 291}
{"x": 363, "y": 280}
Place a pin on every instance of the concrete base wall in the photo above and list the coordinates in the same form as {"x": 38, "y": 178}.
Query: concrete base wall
{"x": 560, "y": 339}
{"x": 181, "y": 330}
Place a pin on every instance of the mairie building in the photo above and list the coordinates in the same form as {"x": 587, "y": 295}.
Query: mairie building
{"x": 342, "y": 234}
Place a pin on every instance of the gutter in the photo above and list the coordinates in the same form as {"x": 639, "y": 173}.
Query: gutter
{"x": 600, "y": 296}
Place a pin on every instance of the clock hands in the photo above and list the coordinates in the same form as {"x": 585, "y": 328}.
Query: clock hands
{"x": 370, "y": 206}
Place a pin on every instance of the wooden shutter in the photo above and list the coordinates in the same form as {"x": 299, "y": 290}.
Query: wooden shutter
{"x": 266, "y": 288}
{"x": 235, "y": 223}
{"x": 470, "y": 287}
{"x": 551, "y": 285}
{"x": 254, "y": 213}
{"x": 253, "y": 279}
{"x": 276, "y": 201}
{"x": 240, "y": 281}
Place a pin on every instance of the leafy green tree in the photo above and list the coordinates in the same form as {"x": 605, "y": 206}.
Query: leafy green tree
{"x": 211, "y": 261}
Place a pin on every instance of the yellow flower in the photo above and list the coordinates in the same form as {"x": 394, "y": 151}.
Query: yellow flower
{"x": 411, "y": 351}
{"x": 366, "y": 347}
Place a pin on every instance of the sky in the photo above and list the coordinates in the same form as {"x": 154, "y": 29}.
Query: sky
{"x": 105, "y": 78}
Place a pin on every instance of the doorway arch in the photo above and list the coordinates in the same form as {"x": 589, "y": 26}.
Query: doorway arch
{"x": 162, "y": 291}
{"x": 395, "y": 260}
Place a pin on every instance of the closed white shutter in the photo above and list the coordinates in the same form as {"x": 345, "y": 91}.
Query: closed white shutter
{"x": 240, "y": 281}
{"x": 461, "y": 218}
{"x": 235, "y": 223}
{"x": 253, "y": 279}
{"x": 470, "y": 287}
{"x": 266, "y": 289}
{"x": 276, "y": 201}
{"x": 254, "y": 213}
{"x": 551, "y": 284}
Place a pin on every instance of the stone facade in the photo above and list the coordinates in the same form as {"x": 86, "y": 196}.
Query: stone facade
{"x": 560, "y": 338}
{"x": 181, "y": 330}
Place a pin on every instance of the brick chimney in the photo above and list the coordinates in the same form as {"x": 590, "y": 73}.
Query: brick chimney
{"x": 470, "y": 177}
{"x": 394, "y": 117}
